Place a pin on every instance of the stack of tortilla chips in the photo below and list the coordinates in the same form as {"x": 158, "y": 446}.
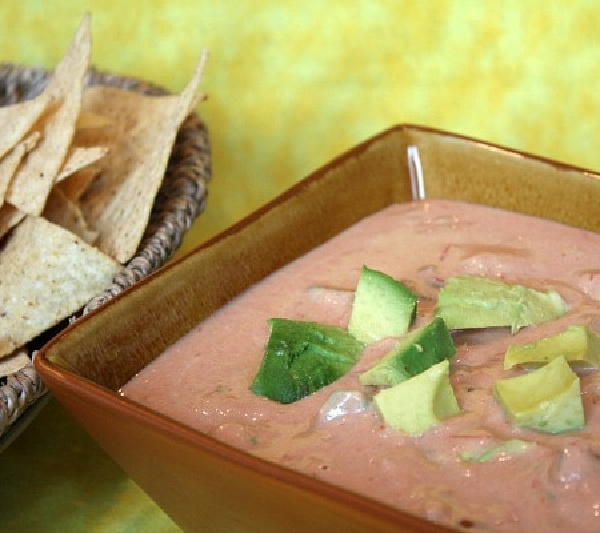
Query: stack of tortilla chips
{"x": 79, "y": 171}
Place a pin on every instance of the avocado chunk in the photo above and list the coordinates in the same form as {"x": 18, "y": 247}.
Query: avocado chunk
{"x": 578, "y": 344}
{"x": 413, "y": 354}
{"x": 467, "y": 302}
{"x": 499, "y": 449}
{"x": 415, "y": 405}
{"x": 547, "y": 399}
{"x": 382, "y": 307}
{"x": 302, "y": 357}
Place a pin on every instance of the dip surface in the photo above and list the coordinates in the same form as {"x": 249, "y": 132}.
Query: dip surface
{"x": 553, "y": 486}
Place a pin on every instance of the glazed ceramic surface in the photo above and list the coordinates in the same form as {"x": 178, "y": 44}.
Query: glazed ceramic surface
{"x": 202, "y": 484}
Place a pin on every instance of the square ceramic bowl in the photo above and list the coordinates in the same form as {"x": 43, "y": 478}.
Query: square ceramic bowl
{"x": 203, "y": 484}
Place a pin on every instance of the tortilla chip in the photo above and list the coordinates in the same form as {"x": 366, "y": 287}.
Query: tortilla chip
{"x": 10, "y": 162}
{"x": 14, "y": 362}
{"x": 94, "y": 129}
{"x": 76, "y": 184}
{"x": 91, "y": 121}
{"x": 47, "y": 275}
{"x": 79, "y": 157}
{"x": 17, "y": 120}
{"x": 119, "y": 202}
{"x": 63, "y": 212}
{"x": 30, "y": 186}
{"x": 10, "y": 216}
{"x": 54, "y": 152}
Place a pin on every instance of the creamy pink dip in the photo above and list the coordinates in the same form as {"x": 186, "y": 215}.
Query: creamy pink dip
{"x": 335, "y": 435}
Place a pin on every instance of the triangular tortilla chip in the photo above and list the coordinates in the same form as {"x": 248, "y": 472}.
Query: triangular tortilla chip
{"x": 10, "y": 216}
{"x": 17, "y": 120}
{"x": 91, "y": 121}
{"x": 10, "y": 162}
{"x": 63, "y": 212}
{"x": 76, "y": 184}
{"x": 94, "y": 129}
{"x": 119, "y": 202}
{"x": 47, "y": 275}
{"x": 79, "y": 157}
{"x": 30, "y": 187}
{"x": 13, "y": 362}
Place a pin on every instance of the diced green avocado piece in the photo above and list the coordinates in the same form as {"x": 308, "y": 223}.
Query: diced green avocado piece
{"x": 467, "y": 302}
{"x": 502, "y": 449}
{"x": 415, "y": 405}
{"x": 413, "y": 354}
{"x": 547, "y": 399}
{"x": 578, "y": 344}
{"x": 382, "y": 307}
{"x": 302, "y": 357}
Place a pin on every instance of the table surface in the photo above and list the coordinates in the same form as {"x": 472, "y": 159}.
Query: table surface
{"x": 290, "y": 86}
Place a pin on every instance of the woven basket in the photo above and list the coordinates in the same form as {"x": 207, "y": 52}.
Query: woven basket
{"x": 180, "y": 200}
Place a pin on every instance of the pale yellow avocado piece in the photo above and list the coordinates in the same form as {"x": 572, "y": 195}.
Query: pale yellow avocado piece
{"x": 547, "y": 399}
{"x": 382, "y": 307}
{"x": 578, "y": 344}
{"x": 472, "y": 302}
{"x": 415, "y": 405}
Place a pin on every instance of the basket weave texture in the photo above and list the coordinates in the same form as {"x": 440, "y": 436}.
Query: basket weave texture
{"x": 181, "y": 199}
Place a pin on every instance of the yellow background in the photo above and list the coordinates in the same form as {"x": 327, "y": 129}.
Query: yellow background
{"x": 290, "y": 85}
